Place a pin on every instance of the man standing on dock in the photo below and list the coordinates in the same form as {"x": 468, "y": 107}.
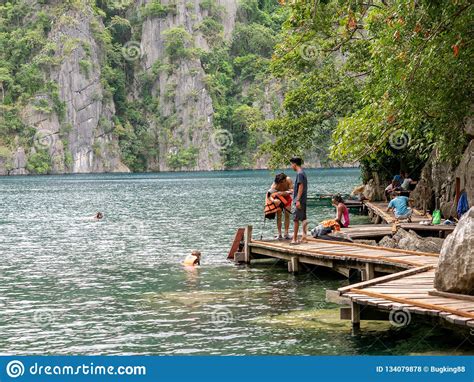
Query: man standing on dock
{"x": 300, "y": 195}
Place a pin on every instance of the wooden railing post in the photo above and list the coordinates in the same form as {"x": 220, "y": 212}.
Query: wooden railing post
{"x": 247, "y": 241}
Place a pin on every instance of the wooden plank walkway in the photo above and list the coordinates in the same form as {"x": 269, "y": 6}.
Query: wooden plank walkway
{"x": 377, "y": 231}
{"x": 408, "y": 282}
{"x": 380, "y": 209}
{"x": 412, "y": 294}
{"x": 378, "y": 212}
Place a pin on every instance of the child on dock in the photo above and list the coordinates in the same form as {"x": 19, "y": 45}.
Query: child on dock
{"x": 280, "y": 196}
{"x": 342, "y": 212}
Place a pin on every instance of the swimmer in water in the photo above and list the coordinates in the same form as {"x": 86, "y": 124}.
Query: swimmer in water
{"x": 98, "y": 216}
{"x": 193, "y": 259}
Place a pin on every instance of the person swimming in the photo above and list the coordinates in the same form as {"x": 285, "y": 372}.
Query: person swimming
{"x": 98, "y": 216}
{"x": 193, "y": 259}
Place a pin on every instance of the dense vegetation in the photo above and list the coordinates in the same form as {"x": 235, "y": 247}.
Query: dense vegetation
{"x": 390, "y": 80}
{"x": 378, "y": 82}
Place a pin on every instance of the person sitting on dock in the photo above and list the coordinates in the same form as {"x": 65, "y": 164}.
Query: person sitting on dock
{"x": 393, "y": 186}
{"x": 325, "y": 227}
{"x": 342, "y": 212}
{"x": 193, "y": 259}
{"x": 280, "y": 196}
{"x": 408, "y": 184}
{"x": 300, "y": 195}
{"x": 400, "y": 177}
{"x": 401, "y": 206}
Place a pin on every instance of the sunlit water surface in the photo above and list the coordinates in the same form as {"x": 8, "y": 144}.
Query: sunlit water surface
{"x": 70, "y": 285}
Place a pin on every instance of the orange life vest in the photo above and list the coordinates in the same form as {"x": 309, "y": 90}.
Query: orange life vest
{"x": 272, "y": 207}
{"x": 190, "y": 260}
{"x": 334, "y": 225}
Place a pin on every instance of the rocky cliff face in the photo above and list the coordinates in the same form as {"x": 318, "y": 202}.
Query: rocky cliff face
{"x": 146, "y": 85}
{"x": 436, "y": 188}
{"x": 185, "y": 104}
{"x": 78, "y": 137}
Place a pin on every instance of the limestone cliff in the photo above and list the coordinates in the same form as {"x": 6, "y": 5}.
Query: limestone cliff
{"x": 76, "y": 128}
{"x": 185, "y": 105}
{"x": 436, "y": 188}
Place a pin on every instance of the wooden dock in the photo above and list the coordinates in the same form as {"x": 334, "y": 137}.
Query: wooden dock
{"x": 393, "y": 280}
{"x": 378, "y": 231}
{"x": 377, "y": 211}
{"x": 405, "y": 294}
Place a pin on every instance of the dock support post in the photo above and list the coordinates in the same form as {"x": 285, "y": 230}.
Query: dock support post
{"x": 293, "y": 265}
{"x": 247, "y": 240}
{"x": 355, "y": 315}
{"x": 369, "y": 271}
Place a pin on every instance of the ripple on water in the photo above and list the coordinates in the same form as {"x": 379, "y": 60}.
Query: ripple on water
{"x": 70, "y": 285}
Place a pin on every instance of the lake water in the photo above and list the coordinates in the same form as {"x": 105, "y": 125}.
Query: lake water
{"x": 70, "y": 285}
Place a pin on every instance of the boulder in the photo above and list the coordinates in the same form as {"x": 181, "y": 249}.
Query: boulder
{"x": 388, "y": 242}
{"x": 373, "y": 190}
{"x": 455, "y": 271}
{"x": 366, "y": 242}
{"x": 413, "y": 242}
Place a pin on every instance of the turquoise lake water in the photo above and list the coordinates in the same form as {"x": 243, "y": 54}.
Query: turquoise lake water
{"x": 70, "y": 285}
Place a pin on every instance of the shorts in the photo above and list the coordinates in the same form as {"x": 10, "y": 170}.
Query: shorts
{"x": 299, "y": 214}
{"x": 320, "y": 230}
{"x": 406, "y": 216}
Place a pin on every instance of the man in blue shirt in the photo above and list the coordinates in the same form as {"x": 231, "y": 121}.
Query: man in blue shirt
{"x": 401, "y": 207}
{"x": 400, "y": 178}
{"x": 300, "y": 195}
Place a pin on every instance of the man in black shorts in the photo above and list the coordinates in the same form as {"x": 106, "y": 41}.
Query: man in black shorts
{"x": 300, "y": 195}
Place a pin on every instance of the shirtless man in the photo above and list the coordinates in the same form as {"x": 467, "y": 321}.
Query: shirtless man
{"x": 282, "y": 185}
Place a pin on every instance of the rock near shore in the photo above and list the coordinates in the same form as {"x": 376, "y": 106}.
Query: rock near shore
{"x": 409, "y": 240}
{"x": 455, "y": 271}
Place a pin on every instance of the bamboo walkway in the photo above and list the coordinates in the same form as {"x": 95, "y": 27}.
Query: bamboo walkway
{"x": 394, "y": 280}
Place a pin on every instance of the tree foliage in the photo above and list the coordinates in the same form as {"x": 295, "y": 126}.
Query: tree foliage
{"x": 372, "y": 72}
